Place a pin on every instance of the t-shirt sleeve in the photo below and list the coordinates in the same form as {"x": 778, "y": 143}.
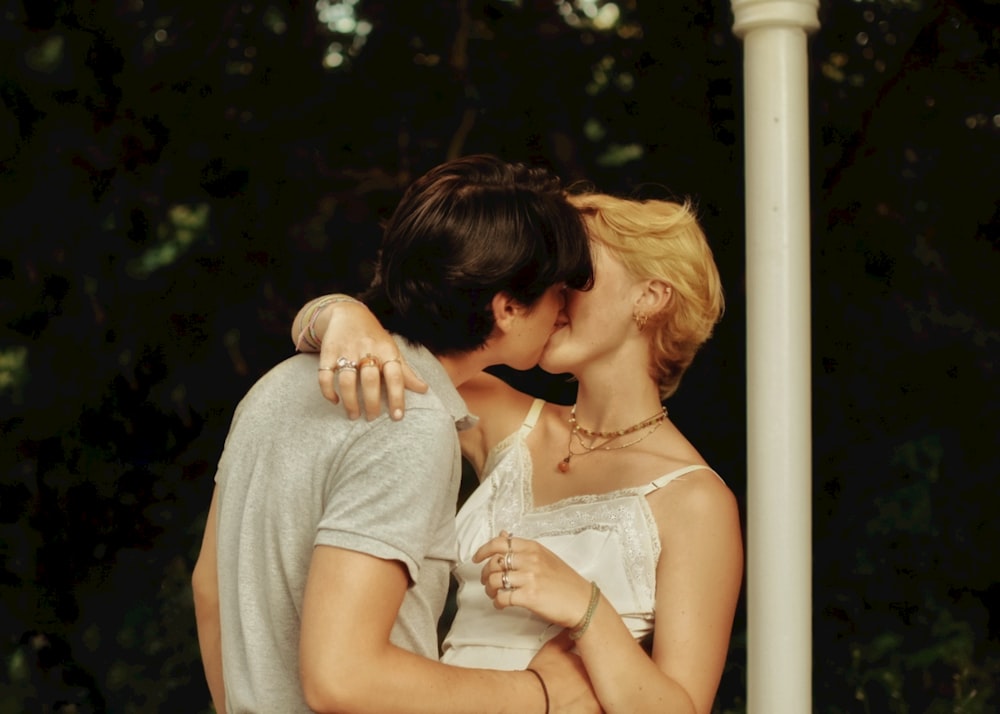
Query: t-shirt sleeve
{"x": 390, "y": 491}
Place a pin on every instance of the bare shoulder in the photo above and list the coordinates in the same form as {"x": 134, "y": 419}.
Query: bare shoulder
{"x": 483, "y": 386}
{"x": 500, "y": 409}
{"x": 696, "y": 501}
{"x": 495, "y": 402}
{"x": 486, "y": 384}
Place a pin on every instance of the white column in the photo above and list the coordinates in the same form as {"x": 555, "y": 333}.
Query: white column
{"x": 779, "y": 423}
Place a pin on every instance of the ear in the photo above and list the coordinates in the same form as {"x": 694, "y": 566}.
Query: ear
{"x": 505, "y": 311}
{"x": 654, "y": 298}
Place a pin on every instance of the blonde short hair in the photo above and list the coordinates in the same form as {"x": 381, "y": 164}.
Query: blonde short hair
{"x": 662, "y": 240}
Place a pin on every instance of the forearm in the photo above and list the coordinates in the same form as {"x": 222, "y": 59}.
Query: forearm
{"x": 347, "y": 662}
{"x": 625, "y": 678}
{"x": 209, "y": 641}
{"x": 392, "y": 679}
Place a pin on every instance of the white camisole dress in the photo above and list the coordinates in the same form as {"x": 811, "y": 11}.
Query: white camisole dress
{"x": 609, "y": 538}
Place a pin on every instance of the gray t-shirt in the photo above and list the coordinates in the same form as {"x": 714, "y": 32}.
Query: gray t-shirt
{"x": 296, "y": 473}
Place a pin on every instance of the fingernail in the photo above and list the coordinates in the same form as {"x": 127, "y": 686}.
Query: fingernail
{"x": 397, "y": 414}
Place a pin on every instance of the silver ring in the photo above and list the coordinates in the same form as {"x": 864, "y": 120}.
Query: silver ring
{"x": 343, "y": 363}
{"x": 505, "y": 580}
{"x": 508, "y": 561}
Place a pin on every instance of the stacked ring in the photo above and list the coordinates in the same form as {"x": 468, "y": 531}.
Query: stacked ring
{"x": 343, "y": 363}
{"x": 369, "y": 360}
{"x": 505, "y": 580}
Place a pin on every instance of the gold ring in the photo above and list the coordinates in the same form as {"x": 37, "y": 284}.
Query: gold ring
{"x": 397, "y": 360}
{"x": 369, "y": 360}
{"x": 326, "y": 369}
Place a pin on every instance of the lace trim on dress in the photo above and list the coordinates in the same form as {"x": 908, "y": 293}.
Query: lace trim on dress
{"x": 497, "y": 451}
{"x": 640, "y": 545}
{"x": 624, "y": 512}
{"x": 507, "y": 505}
{"x": 526, "y": 426}
{"x": 511, "y": 508}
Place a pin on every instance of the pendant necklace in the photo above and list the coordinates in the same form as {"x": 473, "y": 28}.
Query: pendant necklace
{"x": 651, "y": 424}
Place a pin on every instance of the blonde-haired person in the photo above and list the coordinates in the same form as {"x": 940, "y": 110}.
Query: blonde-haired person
{"x": 599, "y": 517}
{"x": 636, "y": 234}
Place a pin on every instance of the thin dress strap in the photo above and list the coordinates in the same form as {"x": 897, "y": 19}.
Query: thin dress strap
{"x": 522, "y": 432}
{"x": 667, "y": 478}
{"x": 532, "y": 417}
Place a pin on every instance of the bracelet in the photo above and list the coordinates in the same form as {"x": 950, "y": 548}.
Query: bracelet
{"x": 581, "y": 627}
{"x": 307, "y": 335}
{"x": 545, "y": 690}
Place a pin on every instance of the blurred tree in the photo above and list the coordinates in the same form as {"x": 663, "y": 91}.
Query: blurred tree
{"x": 175, "y": 181}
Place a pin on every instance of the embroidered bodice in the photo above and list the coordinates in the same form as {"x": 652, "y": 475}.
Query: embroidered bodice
{"x": 610, "y": 538}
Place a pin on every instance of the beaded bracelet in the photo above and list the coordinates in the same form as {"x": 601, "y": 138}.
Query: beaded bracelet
{"x": 307, "y": 335}
{"x": 581, "y": 627}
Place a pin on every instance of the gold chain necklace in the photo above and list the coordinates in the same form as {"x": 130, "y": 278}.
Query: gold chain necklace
{"x": 652, "y": 424}
{"x": 659, "y": 416}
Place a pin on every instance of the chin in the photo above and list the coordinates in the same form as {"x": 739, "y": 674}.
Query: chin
{"x": 525, "y": 364}
{"x": 550, "y": 365}
{"x": 560, "y": 359}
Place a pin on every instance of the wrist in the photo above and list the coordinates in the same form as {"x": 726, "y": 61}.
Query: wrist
{"x": 577, "y": 631}
{"x": 307, "y": 334}
{"x": 545, "y": 690}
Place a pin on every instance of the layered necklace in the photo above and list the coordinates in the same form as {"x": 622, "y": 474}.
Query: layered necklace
{"x": 604, "y": 440}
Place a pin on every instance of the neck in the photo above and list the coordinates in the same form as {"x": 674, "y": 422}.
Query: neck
{"x": 616, "y": 404}
{"x": 463, "y": 367}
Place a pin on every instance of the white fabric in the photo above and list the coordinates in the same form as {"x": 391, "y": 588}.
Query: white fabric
{"x": 609, "y": 538}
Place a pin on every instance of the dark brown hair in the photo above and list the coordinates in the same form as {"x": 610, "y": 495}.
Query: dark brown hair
{"x": 465, "y": 231}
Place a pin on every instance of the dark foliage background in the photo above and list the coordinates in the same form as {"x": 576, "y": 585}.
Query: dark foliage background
{"x": 176, "y": 178}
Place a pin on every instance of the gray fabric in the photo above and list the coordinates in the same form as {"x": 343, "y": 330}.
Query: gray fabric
{"x": 296, "y": 473}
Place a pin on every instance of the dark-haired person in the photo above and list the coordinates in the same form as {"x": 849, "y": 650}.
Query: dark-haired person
{"x": 329, "y": 542}
{"x": 600, "y": 518}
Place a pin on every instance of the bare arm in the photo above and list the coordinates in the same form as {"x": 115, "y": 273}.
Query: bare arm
{"x": 205, "y": 584}
{"x": 348, "y": 664}
{"x": 698, "y": 583}
{"x": 339, "y": 326}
